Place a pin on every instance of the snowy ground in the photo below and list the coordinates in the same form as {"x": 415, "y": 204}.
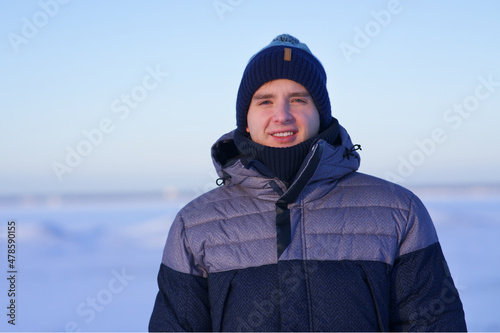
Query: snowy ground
{"x": 91, "y": 265}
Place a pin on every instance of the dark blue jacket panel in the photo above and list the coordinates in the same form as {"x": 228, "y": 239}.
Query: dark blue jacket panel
{"x": 182, "y": 304}
{"x": 423, "y": 295}
{"x": 300, "y": 295}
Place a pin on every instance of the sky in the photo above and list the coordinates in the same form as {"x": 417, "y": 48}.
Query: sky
{"x": 124, "y": 96}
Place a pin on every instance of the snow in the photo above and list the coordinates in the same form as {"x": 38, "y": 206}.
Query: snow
{"x": 90, "y": 264}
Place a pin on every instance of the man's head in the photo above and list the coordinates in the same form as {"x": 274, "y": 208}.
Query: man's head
{"x": 287, "y": 71}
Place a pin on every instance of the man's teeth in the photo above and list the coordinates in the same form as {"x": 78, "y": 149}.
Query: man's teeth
{"x": 283, "y": 134}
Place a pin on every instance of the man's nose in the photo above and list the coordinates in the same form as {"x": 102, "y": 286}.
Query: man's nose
{"x": 282, "y": 112}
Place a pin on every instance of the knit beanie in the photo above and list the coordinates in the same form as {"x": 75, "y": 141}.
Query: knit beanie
{"x": 284, "y": 58}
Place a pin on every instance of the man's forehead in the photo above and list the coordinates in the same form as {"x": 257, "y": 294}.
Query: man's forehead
{"x": 289, "y": 86}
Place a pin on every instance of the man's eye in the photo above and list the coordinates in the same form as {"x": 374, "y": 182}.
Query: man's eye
{"x": 264, "y": 103}
{"x": 298, "y": 100}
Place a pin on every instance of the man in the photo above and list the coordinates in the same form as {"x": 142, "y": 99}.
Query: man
{"x": 296, "y": 239}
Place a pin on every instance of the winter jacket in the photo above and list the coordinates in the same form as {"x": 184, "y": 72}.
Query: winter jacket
{"x": 337, "y": 250}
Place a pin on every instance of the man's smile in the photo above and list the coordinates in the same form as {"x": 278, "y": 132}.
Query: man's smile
{"x": 283, "y": 134}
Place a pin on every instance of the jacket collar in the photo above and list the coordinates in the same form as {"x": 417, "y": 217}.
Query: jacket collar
{"x": 334, "y": 162}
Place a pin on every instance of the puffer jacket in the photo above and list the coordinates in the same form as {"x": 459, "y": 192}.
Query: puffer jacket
{"x": 337, "y": 250}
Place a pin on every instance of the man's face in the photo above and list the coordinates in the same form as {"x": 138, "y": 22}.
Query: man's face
{"x": 282, "y": 114}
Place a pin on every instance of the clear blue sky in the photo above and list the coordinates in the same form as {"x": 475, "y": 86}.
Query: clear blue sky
{"x": 141, "y": 89}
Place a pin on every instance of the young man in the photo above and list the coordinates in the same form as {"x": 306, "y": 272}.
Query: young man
{"x": 296, "y": 239}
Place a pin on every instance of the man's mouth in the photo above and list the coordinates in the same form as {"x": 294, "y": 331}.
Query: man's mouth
{"x": 283, "y": 134}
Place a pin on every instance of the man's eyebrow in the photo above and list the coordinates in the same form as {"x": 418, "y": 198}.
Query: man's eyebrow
{"x": 300, "y": 94}
{"x": 293, "y": 94}
{"x": 262, "y": 96}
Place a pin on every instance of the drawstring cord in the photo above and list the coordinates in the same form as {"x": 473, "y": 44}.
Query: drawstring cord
{"x": 349, "y": 152}
{"x": 222, "y": 180}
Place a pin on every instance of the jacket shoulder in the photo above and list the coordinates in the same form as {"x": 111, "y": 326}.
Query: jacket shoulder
{"x": 387, "y": 201}
{"x": 195, "y": 211}
{"x": 192, "y": 227}
{"x": 225, "y": 202}
{"x": 385, "y": 193}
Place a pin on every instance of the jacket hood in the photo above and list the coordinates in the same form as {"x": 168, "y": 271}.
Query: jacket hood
{"x": 234, "y": 168}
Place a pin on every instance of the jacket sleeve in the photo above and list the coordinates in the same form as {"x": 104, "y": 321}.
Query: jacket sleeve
{"x": 182, "y": 303}
{"x": 423, "y": 295}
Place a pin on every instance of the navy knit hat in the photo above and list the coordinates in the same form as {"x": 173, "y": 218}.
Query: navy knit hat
{"x": 284, "y": 58}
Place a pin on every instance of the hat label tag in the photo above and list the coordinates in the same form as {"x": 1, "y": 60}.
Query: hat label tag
{"x": 288, "y": 54}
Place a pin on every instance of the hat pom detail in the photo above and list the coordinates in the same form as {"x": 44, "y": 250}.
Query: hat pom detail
{"x": 285, "y": 38}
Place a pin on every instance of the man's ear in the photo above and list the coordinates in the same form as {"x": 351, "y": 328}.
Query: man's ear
{"x": 248, "y": 130}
